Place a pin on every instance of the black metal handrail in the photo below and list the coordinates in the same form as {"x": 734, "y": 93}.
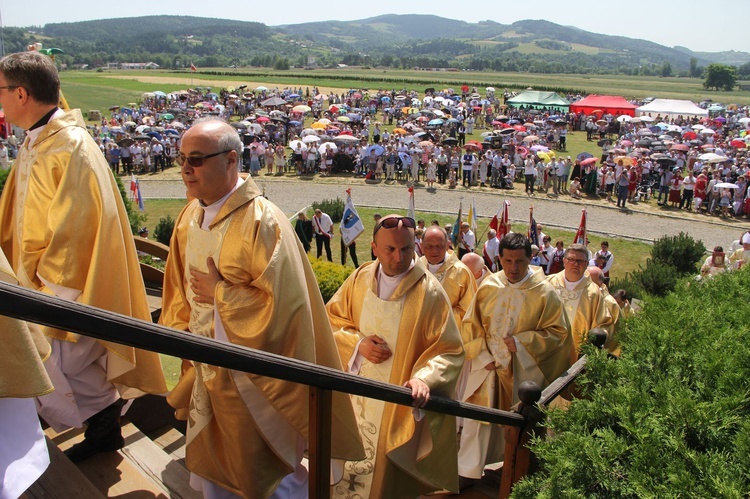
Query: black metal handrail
{"x": 40, "y": 308}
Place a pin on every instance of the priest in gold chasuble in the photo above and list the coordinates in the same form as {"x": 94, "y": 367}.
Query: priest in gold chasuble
{"x": 393, "y": 322}
{"x": 583, "y": 300}
{"x": 524, "y": 335}
{"x": 237, "y": 273}
{"x": 64, "y": 231}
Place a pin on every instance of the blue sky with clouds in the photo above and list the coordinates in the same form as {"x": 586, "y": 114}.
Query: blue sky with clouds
{"x": 699, "y": 25}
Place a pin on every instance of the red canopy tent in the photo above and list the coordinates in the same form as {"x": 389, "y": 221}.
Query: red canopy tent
{"x": 611, "y": 104}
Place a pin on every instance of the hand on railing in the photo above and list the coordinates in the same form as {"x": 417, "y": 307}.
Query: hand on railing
{"x": 375, "y": 349}
{"x": 420, "y": 392}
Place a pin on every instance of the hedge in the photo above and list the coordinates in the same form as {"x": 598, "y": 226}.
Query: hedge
{"x": 330, "y": 276}
{"x": 669, "y": 419}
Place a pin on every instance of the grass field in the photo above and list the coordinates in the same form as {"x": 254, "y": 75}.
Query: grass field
{"x": 126, "y": 87}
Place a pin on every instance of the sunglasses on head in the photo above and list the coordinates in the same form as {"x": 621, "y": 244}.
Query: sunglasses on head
{"x": 196, "y": 161}
{"x": 393, "y": 222}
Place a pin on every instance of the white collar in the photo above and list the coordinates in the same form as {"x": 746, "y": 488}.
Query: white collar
{"x": 570, "y": 286}
{"x": 516, "y": 285}
{"x": 34, "y": 134}
{"x": 388, "y": 284}
{"x": 210, "y": 211}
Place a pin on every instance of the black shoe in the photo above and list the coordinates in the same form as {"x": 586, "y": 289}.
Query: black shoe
{"x": 465, "y": 483}
{"x": 103, "y": 434}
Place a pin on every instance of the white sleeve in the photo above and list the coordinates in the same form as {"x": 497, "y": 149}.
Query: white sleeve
{"x": 355, "y": 361}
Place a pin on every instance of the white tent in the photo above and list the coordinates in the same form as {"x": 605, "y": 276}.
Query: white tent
{"x": 671, "y": 107}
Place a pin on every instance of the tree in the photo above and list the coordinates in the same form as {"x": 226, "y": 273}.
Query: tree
{"x": 720, "y": 77}
{"x": 666, "y": 70}
{"x": 744, "y": 70}
{"x": 695, "y": 71}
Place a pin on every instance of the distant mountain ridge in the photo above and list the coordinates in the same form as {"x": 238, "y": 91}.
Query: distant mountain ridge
{"x": 389, "y": 40}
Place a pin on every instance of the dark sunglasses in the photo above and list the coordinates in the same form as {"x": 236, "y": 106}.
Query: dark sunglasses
{"x": 393, "y": 222}
{"x": 196, "y": 161}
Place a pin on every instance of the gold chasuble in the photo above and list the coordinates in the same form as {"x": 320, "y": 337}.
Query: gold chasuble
{"x": 460, "y": 285}
{"x": 22, "y": 373}
{"x": 64, "y": 223}
{"x": 405, "y": 457}
{"x": 532, "y": 313}
{"x": 584, "y": 306}
{"x": 243, "y": 428}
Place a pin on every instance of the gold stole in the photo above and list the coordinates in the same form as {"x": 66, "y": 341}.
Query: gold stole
{"x": 201, "y": 245}
{"x": 22, "y": 171}
{"x": 381, "y": 317}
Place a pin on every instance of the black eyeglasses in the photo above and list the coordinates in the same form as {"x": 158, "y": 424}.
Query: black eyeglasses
{"x": 393, "y": 222}
{"x": 8, "y": 87}
{"x": 196, "y": 161}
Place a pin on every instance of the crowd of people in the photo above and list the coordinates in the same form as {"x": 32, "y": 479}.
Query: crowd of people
{"x": 428, "y": 312}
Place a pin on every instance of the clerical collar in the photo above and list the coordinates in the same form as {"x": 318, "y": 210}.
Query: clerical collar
{"x": 388, "y": 284}
{"x": 210, "y": 211}
{"x": 518, "y": 284}
{"x": 434, "y": 268}
{"x": 34, "y": 132}
{"x": 570, "y": 286}
{"x": 44, "y": 119}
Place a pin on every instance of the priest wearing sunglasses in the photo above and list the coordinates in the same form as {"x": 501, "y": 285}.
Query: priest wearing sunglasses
{"x": 237, "y": 273}
{"x": 393, "y": 322}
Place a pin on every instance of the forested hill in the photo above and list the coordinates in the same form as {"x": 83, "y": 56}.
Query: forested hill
{"x": 402, "y": 41}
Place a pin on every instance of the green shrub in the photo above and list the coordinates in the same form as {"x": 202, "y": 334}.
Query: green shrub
{"x": 164, "y": 229}
{"x": 3, "y": 177}
{"x": 657, "y": 278}
{"x": 681, "y": 252}
{"x": 669, "y": 419}
{"x": 333, "y": 207}
{"x": 330, "y": 276}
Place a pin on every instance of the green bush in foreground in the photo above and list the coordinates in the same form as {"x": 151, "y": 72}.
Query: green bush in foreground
{"x": 670, "y": 418}
{"x": 330, "y": 276}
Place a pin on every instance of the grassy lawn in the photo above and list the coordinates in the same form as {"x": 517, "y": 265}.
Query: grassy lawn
{"x": 123, "y": 87}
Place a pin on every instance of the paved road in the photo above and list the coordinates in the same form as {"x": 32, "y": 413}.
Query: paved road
{"x": 291, "y": 195}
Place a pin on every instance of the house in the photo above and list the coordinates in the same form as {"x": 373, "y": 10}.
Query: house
{"x": 139, "y": 65}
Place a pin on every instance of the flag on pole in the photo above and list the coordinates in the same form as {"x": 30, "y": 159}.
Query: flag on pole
{"x": 192, "y": 67}
{"x": 532, "y": 228}
{"x": 457, "y": 223}
{"x": 581, "y": 236}
{"x": 501, "y": 226}
{"x": 410, "y": 212}
{"x": 351, "y": 224}
{"x": 133, "y": 185}
{"x": 473, "y": 216}
{"x": 139, "y": 196}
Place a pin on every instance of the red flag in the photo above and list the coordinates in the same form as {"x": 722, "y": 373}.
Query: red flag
{"x": 533, "y": 236}
{"x": 581, "y": 237}
{"x": 192, "y": 67}
{"x": 133, "y": 184}
{"x": 502, "y": 227}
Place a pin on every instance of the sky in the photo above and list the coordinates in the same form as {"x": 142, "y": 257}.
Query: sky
{"x": 700, "y": 25}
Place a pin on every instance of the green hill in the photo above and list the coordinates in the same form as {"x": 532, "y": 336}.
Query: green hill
{"x": 402, "y": 41}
